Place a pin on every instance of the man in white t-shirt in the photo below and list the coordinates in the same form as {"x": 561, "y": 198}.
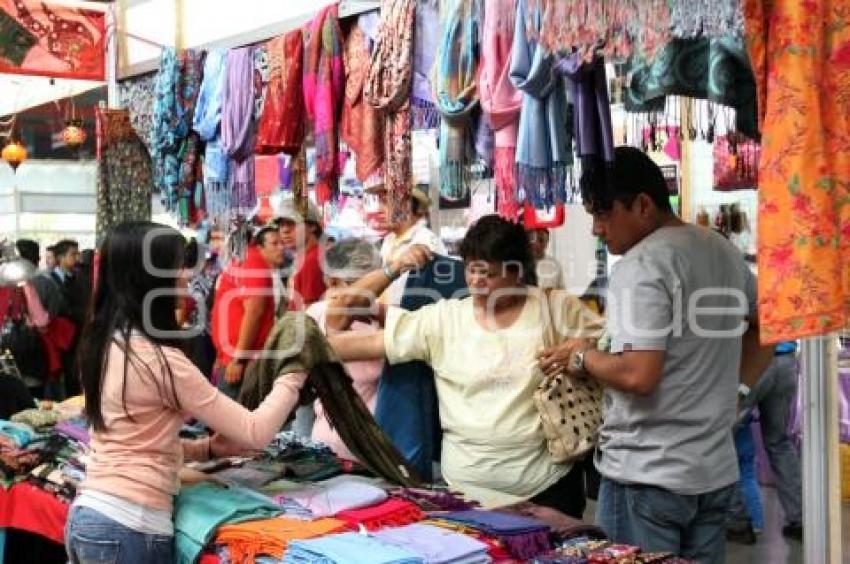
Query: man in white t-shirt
{"x": 401, "y": 236}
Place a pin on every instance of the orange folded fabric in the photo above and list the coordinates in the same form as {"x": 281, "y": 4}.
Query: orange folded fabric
{"x": 271, "y": 536}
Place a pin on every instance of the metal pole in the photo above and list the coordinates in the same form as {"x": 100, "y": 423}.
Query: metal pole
{"x": 821, "y": 510}
{"x": 112, "y": 58}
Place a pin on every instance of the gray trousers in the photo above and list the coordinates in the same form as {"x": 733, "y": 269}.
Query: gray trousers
{"x": 772, "y": 395}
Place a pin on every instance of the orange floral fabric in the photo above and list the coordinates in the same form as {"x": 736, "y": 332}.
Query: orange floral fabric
{"x": 800, "y": 51}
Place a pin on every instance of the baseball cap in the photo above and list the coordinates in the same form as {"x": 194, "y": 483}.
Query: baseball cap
{"x": 285, "y": 207}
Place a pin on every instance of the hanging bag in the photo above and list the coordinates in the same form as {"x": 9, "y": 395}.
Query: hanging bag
{"x": 570, "y": 407}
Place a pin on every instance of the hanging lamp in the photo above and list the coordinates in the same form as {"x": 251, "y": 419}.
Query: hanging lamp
{"x": 14, "y": 153}
{"x": 73, "y": 134}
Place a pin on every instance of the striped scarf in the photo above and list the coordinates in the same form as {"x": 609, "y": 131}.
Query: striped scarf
{"x": 324, "y": 80}
{"x": 388, "y": 88}
{"x": 456, "y": 95}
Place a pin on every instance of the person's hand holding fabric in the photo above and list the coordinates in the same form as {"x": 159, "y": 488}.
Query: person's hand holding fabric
{"x": 416, "y": 256}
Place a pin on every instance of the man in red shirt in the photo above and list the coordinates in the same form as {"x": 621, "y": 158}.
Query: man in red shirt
{"x": 243, "y": 309}
{"x": 307, "y": 284}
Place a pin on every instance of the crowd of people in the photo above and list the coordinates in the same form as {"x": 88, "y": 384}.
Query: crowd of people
{"x": 447, "y": 354}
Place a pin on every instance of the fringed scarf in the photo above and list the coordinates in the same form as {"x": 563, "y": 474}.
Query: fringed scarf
{"x": 456, "y": 96}
{"x": 500, "y": 100}
{"x": 543, "y": 146}
{"x": 362, "y": 124}
{"x": 237, "y": 128}
{"x": 388, "y": 88}
{"x": 626, "y": 27}
{"x": 283, "y": 125}
{"x": 324, "y": 85}
{"x": 594, "y": 138}
{"x": 426, "y": 41}
{"x": 207, "y": 122}
{"x": 166, "y": 132}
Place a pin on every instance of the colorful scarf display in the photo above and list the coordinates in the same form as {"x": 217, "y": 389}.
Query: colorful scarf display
{"x": 388, "y": 88}
{"x": 49, "y": 39}
{"x": 500, "y": 100}
{"x": 426, "y": 42}
{"x": 237, "y": 128}
{"x": 391, "y": 513}
{"x": 283, "y": 124}
{"x": 543, "y": 146}
{"x": 456, "y": 96}
{"x": 362, "y": 126}
{"x": 323, "y": 92}
{"x": 246, "y": 541}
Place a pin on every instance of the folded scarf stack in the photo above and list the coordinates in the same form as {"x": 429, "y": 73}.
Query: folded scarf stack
{"x": 39, "y": 419}
{"x": 245, "y": 541}
{"x": 351, "y": 548}
{"x": 436, "y": 545}
{"x": 324, "y": 86}
{"x": 391, "y": 513}
{"x": 331, "y": 497}
{"x": 523, "y": 537}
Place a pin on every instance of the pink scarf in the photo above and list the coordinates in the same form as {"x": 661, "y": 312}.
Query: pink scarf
{"x": 500, "y": 100}
{"x": 324, "y": 82}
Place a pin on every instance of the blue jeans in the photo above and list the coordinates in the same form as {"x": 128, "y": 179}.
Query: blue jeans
{"x": 658, "y": 520}
{"x": 746, "y": 502}
{"x": 93, "y": 538}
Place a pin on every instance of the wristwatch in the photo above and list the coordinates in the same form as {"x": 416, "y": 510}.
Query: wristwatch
{"x": 388, "y": 272}
{"x": 577, "y": 362}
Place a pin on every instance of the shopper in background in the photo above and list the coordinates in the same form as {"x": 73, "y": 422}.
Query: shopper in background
{"x": 137, "y": 407}
{"x": 666, "y": 452}
{"x": 42, "y": 282}
{"x": 67, "y": 254}
{"x": 550, "y": 273}
{"x": 345, "y": 263}
{"x": 49, "y": 258}
{"x": 412, "y": 231}
{"x": 301, "y": 237}
{"x": 243, "y": 308}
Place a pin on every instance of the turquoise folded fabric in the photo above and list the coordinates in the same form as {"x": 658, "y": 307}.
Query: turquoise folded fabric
{"x": 348, "y": 548}
{"x": 200, "y": 509}
{"x": 19, "y": 433}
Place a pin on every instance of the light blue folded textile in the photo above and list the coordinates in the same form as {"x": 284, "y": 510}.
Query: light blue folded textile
{"x": 348, "y": 548}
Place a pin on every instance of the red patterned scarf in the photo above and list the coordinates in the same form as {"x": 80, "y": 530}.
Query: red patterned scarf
{"x": 283, "y": 124}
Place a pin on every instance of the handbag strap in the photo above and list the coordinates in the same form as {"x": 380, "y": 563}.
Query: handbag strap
{"x": 550, "y": 336}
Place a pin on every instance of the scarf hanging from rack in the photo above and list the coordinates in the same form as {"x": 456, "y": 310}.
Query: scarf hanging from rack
{"x": 261, "y": 79}
{"x": 625, "y": 27}
{"x": 500, "y": 100}
{"x": 362, "y": 126}
{"x": 426, "y": 42}
{"x": 283, "y": 124}
{"x": 207, "y": 122}
{"x": 388, "y": 88}
{"x": 699, "y": 18}
{"x": 456, "y": 96}
{"x": 238, "y": 128}
{"x": 138, "y": 96}
{"x": 324, "y": 85}
{"x": 543, "y": 152}
{"x": 594, "y": 138}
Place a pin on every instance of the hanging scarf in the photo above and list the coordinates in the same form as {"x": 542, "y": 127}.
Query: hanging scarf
{"x": 588, "y": 86}
{"x": 542, "y": 153}
{"x": 164, "y": 136}
{"x": 261, "y": 79}
{"x": 283, "y": 124}
{"x": 388, "y": 88}
{"x": 237, "y": 127}
{"x": 698, "y": 18}
{"x": 456, "y": 96}
{"x": 207, "y": 122}
{"x": 362, "y": 126}
{"x": 500, "y": 100}
{"x": 426, "y": 42}
{"x": 323, "y": 91}
{"x": 626, "y": 27}
{"x": 190, "y": 175}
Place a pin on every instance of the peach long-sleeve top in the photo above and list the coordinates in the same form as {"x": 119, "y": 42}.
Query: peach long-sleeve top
{"x": 139, "y": 454}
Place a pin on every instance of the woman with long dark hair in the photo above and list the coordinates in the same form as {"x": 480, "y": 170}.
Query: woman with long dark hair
{"x": 138, "y": 387}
